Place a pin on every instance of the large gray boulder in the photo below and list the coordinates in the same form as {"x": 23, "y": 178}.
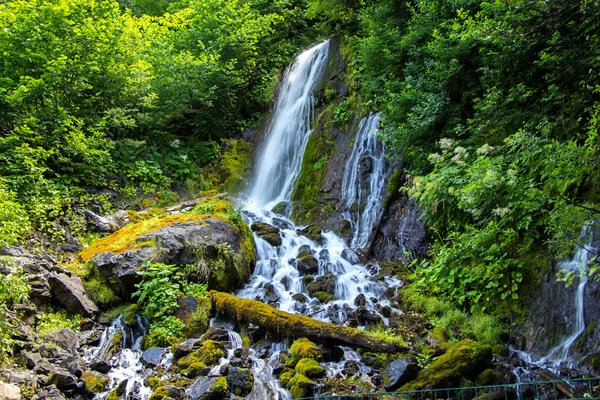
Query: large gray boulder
{"x": 69, "y": 291}
{"x": 205, "y": 388}
{"x": 219, "y": 251}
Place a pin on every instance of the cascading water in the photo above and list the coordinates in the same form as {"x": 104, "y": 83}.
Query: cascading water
{"x": 126, "y": 365}
{"x": 277, "y": 278}
{"x": 281, "y": 158}
{"x": 560, "y": 355}
{"x": 367, "y": 157}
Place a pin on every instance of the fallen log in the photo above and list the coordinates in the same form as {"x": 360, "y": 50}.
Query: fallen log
{"x": 284, "y": 324}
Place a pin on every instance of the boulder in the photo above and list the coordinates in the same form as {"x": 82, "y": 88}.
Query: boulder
{"x": 398, "y": 372}
{"x": 205, "y": 388}
{"x": 308, "y": 265}
{"x": 324, "y": 283}
{"x": 151, "y": 357}
{"x": 466, "y": 359}
{"x": 64, "y": 338}
{"x": 313, "y": 232}
{"x": 240, "y": 380}
{"x": 63, "y": 380}
{"x": 223, "y": 253}
{"x": 267, "y": 232}
{"x": 71, "y": 294}
{"x": 9, "y": 392}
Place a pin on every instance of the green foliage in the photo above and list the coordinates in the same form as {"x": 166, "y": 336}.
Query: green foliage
{"x": 159, "y": 290}
{"x": 51, "y": 322}
{"x": 164, "y": 332}
{"x": 198, "y": 290}
{"x": 15, "y": 221}
{"x": 13, "y": 290}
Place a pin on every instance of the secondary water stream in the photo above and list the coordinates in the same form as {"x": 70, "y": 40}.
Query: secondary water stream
{"x": 561, "y": 355}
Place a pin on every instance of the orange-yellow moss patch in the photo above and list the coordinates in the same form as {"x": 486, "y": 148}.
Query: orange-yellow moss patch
{"x": 126, "y": 238}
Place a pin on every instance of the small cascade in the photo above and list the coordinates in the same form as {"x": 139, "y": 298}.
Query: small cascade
{"x": 561, "y": 354}
{"x": 235, "y": 342}
{"x": 577, "y": 265}
{"x": 126, "y": 365}
{"x": 364, "y": 180}
{"x": 265, "y": 384}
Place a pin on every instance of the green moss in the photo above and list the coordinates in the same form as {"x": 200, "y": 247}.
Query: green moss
{"x": 153, "y": 382}
{"x": 300, "y": 386}
{"x": 113, "y": 395}
{"x": 285, "y": 377}
{"x": 324, "y": 297}
{"x": 304, "y": 348}
{"x": 94, "y": 382}
{"x": 235, "y": 164}
{"x": 209, "y": 354}
{"x": 309, "y": 368}
{"x": 221, "y": 386}
{"x": 195, "y": 369}
{"x": 159, "y": 393}
{"x": 198, "y": 322}
{"x": 463, "y": 360}
{"x": 488, "y": 377}
{"x": 393, "y": 186}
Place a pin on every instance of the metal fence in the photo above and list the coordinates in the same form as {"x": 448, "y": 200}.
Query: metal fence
{"x": 582, "y": 388}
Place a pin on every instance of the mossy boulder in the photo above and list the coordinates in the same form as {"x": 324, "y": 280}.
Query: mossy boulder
{"x": 212, "y": 237}
{"x": 208, "y": 354}
{"x": 205, "y": 388}
{"x": 195, "y": 313}
{"x": 94, "y": 382}
{"x": 301, "y": 386}
{"x": 305, "y": 349}
{"x": 466, "y": 359}
{"x": 313, "y": 232}
{"x": 309, "y": 368}
{"x": 240, "y": 380}
{"x": 307, "y": 265}
{"x": 267, "y": 232}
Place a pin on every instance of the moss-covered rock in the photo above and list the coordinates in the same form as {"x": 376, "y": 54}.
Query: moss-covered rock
{"x": 195, "y": 313}
{"x": 305, "y": 349}
{"x": 300, "y": 386}
{"x": 240, "y": 380}
{"x": 94, "y": 382}
{"x": 285, "y": 377}
{"x": 463, "y": 360}
{"x": 213, "y": 242}
{"x": 208, "y": 354}
{"x": 309, "y": 368}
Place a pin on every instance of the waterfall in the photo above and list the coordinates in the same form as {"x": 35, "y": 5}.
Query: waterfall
{"x": 281, "y": 157}
{"x": 367, "y": 157}
{"x": 577, "y": 265}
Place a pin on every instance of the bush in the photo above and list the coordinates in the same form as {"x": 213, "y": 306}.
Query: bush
{"x": 164, "y": 332}
{"x": 13, "y": 290}
{"x": 159, "y": 290}
{"x": 51, "y": 322}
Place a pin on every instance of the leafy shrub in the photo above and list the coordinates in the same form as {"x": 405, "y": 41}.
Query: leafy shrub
{"x": 164, "y": 332}
{"x": 13, "y": 290}
{"x": 198, "y": 290}
{"x": 51, "y": 322}
{"x": 159, "y": 290}
{"x": 15, "y": 221}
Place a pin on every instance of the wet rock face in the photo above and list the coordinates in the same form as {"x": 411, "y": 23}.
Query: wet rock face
{"x": 267, "y": 232}
{"x": 204, "y": 388}
{"x": 400, "y": 230}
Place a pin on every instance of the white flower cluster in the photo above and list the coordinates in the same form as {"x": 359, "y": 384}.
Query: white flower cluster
{"x": 445, "y": 144}
{"x": 500, "y": 211}
{"x": 485, "y": 149}
{"x": 460, "y": 154}
{"x": 435, "y": 158}
{"x": 175, "y": 143}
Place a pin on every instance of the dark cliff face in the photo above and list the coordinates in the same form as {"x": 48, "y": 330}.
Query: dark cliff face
{"x": 552, "y": 318}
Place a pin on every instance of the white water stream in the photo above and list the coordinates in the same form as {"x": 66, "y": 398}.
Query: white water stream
{"x": 560, "y": 355}
{"x": 367, "y": 157}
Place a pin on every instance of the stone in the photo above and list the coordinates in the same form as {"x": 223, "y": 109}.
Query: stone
{"x": 31, "y": 358}
{"x": 307, "y": 265}
{"x": 350, "y": 256}
{"x": 51, "y": 393}
{"x": 360, "y": 300}
{"x": 64, "y": 338}
{"x": 9, "y": 392}
{"x": 398, "y": 372}
{"x": 184, "y": 348}
{"x": 62, "y": 379}
{"x": 205, "y": 388}
{"x": 71, "y": 294}
{"x": 151, "y": 357}
{"x": 300, "y": 297}
{"x": 267, "y": 232}
{"x": 351, "y": 368}
{"x": 240, "y": 380}
{"x": 94, "y": 382}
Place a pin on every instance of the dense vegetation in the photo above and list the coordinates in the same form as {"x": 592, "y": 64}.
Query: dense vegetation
{"x": 96, "y": 96}
{"x": 494, "y": 107}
